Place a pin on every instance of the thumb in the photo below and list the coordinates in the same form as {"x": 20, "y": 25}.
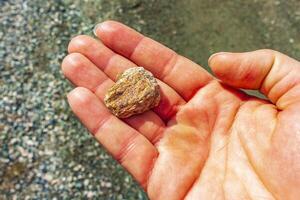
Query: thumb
{"x": 276, "y": 75}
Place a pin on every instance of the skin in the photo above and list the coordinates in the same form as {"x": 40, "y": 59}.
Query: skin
{"x": 206, "y": 139}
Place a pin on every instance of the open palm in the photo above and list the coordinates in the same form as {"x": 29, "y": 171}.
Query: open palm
{"x": 206, "y": 139}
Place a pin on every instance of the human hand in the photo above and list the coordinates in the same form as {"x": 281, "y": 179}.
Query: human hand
{"x": 205, "y": 140}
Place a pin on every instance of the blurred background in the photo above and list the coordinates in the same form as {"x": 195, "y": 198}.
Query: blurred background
{"x": 45, "y": 153}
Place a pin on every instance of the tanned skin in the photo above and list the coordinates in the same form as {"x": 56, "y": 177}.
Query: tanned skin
{"x": 207, "y": 139}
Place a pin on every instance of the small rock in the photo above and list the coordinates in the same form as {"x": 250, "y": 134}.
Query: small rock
{"x": 135, "y": 92}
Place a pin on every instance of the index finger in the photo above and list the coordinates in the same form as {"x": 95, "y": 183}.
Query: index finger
{"x": 183, "y": 75}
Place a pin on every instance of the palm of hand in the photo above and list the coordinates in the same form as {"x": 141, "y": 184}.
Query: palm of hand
{"x": 205, "y": 140}
{"x": 225, "y": 146}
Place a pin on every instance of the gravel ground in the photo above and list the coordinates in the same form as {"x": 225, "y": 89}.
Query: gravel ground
{"x": 45, "y": 153}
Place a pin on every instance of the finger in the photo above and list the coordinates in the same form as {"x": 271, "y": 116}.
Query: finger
{"x": 131, "y": 149}
{"x": 178, "y": 72}
{"x": 113, "y": 64}
{"x": 82, "y": 72}
{"x": 274, "y": 74}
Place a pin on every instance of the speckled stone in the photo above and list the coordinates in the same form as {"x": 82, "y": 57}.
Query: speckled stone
{"x": 135, "y": 92}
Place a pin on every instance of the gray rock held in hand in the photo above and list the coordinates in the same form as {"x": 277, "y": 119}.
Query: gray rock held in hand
{"x": 135, "y": 92}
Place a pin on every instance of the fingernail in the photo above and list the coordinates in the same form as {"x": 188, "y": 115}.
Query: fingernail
{"x": 105, "y": 26}
{"x": 214, "y": 55}
{"x": 95, "y": 28}
{"x": 69, "y": 94}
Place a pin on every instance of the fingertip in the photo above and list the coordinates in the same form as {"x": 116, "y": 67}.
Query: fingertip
{"x": 71, "y": 61}
{"x": 218, "y": 63}
{"x": 87, "y": 107}
{"x": 79, "y": 96}
{"x": 106, "y": 27}
{"x": 96, "y": 28}
{"x": 70, "y": 99}
{"x": 118, "y": 37}
{"x": 82, "y": 42}
{"x": 218, "y": 58}
{"x": 241, "y": 70}
{"x": 213, "y": 56}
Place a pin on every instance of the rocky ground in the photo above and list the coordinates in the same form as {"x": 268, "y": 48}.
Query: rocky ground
{"x": 45, "y": 153}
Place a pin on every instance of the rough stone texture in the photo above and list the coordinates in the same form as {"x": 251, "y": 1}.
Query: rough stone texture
{"x": 135, "y": 92}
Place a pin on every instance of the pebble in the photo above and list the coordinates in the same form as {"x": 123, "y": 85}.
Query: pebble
{"x": 135, "y": 92}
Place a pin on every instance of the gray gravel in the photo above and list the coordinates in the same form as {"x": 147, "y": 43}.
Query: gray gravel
{"x": 45, "y": 153}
